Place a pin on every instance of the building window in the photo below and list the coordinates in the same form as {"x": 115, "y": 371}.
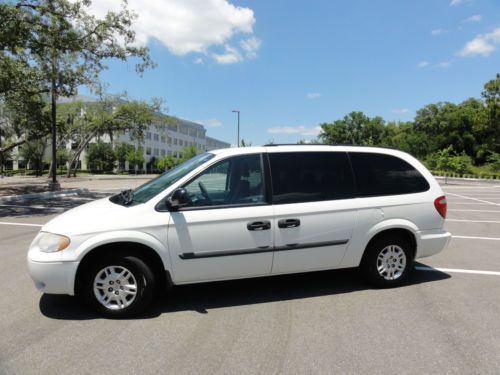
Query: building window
{"x": 157, "y": 152}
{"x": 156, "y": 137}
{"x": 162, "y": 139}
{"x": 169, "y": 140}
{"x": 169, "y": 153}
{"x": 175, "y": 141}
{"x": 148, "y": 150}
{"x": 148, "y": 135}
{"x": 180, "y": 142}
{"x": 162, "y": 152}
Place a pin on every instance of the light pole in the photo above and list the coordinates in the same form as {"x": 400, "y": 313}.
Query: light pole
{"x": 238, "y": 112}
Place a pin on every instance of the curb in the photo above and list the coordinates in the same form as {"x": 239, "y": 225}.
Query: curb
{"x": 47, "y": 194}
{"x": 467, "y": 181}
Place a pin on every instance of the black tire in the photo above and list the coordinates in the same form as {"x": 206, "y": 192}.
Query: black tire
{"x": 376, "y": 272}
{"x": 140, "y": 275}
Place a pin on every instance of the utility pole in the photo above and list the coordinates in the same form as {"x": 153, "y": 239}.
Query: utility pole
{"x": 238, "y": 139}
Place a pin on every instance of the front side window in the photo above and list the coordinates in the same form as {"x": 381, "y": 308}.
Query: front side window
{"x": 234, "y": 181}
{"x": 151, "y": 188}
{"x": 310, "y": 176}
{"x": 381, "y": 174}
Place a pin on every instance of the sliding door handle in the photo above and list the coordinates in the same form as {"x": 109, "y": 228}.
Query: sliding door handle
{"x": 259, "y": 225}
{"x": 288, "y": 223}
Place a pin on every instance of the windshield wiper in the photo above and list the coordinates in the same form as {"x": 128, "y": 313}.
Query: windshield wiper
{"x": 127, "y": 196}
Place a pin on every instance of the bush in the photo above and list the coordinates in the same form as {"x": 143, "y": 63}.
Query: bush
{"x": 448, "y": 161}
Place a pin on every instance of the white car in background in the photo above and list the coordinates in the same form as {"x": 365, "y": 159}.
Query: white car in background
{"x": 245, "y": 212}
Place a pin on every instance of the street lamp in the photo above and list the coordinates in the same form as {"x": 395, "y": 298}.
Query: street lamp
{"x": 238, "y": 112}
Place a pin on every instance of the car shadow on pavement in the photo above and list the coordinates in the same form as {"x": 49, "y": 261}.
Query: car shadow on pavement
{"x": 203, "y": 297}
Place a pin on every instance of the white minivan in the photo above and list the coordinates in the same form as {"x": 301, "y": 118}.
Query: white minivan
{"x": 245, "y": 212}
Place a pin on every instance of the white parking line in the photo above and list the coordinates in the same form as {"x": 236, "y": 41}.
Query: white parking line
{"x": 475, "y": 221}
{"x": 454, "y": 209}
{"x": 21, "y": 224}
{"x": 466, "y": 203}
{"x": 474, "y": 199}
{"x": 477, "y": 238}
{"x": 457, "y": 270}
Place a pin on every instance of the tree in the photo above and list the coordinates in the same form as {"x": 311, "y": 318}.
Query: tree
{"x": 101, "y": 157}
{"x": 66, "y": 46}
{"x": 121, "y": 150}
{"x": 188, "y": 153}
{"x": 32, "y": 152}
{"x": 136, "y": 157}
{"x": 83, "y": 122}
{"x": 166, "y": 163}
{"x": 491, "y": 96}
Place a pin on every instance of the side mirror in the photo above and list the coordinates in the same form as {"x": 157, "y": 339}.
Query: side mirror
{"x": 179, "y": 198}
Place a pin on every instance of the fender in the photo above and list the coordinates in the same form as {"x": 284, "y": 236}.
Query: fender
{"x": 361, "y": 237}
{"x": 125, "y": 236}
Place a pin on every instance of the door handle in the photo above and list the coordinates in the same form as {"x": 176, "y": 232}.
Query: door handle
{"x": 288, "y": 223}
{"x": 259, "y": 225}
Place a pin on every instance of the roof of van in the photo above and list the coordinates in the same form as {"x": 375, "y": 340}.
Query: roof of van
{"x": 305, "y": 147}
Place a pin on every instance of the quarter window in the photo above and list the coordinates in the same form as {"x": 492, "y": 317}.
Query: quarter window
{"x": 381, "y": 174}
{"x": 234, "y": 181}
{"x": 310, "y": 176}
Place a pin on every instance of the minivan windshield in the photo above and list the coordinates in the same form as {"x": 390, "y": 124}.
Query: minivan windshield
{"x": 151, "y": 188}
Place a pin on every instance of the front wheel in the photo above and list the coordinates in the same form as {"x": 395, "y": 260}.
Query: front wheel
{"x": 388, "y": 262}
{"x": 119, "y": 287}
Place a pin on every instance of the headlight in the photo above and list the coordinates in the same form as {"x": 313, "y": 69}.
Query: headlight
{"x": 50, "y": 243}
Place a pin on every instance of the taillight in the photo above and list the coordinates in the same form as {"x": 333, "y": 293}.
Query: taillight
{"x": 440, "y": 204}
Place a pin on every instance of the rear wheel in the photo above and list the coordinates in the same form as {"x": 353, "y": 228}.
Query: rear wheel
{"x": 388, "y": 261}
{"x": 119, "y": 287}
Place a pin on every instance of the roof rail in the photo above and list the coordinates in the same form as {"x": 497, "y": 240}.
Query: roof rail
{"x": 296, "y": 144}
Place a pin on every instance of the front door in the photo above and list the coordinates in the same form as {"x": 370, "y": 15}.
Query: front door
{"x": 314, "y": 217}
{"x": 226, "y": 230}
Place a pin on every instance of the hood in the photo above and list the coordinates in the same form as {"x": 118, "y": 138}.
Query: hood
{"x": 97, "y": 216}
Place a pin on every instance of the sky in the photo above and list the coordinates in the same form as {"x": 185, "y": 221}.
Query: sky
{"x": 291, "y": 65}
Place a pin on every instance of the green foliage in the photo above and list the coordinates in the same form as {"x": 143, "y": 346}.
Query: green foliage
{"x": 494, "y": 160}
{"x": 166, "y": 163}
{"x": 448, "y": 160}
{"x": 121, "y": 151}
{"x": 33, "y": 152}
{"x": 135, "y": 157}
{"x": 101, "y": 157}
{"x": 56, "y": 46}
{"x": 471, "y": 128}
{"x": 188, "y": 153}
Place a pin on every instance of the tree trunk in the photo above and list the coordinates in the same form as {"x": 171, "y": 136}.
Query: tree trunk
{"x": 76, "y": 155}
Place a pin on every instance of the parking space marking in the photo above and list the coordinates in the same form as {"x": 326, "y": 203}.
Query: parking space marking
{"x": 475, "y": 199}
{"x": 475, "y": 221}
{"x": 20, "y": 224}
{"x": 459, "y": 210}
{"x": 467, "y": 203}
{"x": 477, "y": 238}
{"x": 457, "y": 270}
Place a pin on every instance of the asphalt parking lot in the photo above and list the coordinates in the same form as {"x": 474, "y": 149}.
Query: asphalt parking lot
{"x": 445, "y": 320}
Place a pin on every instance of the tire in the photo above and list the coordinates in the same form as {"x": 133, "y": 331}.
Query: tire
{"x": 388, "y": 261}
{"x": 118, "y": 286}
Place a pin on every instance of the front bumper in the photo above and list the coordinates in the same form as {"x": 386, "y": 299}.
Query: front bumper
{"x": 431, "y": 242}
{"x": 53, "y": 277}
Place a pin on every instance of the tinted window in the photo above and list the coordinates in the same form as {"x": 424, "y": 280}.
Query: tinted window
{"x": 237, "y": 180}
{"x": 310, "y": 176}
{"x": 379, "y": 174}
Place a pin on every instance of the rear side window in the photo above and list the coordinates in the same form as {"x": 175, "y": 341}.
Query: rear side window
{"x": 380, "y": 174}
{"x": 310, "y": 176}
